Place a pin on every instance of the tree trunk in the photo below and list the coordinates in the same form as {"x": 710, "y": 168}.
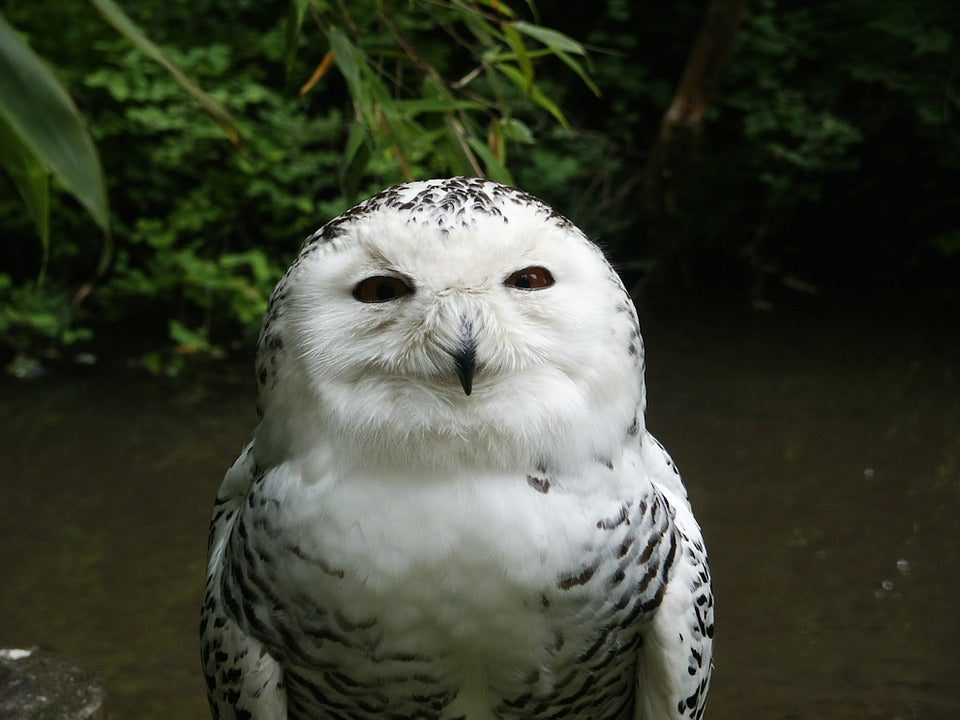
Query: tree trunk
{"x": 674, "y": 150}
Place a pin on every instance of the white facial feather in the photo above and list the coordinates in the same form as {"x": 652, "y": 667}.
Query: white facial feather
{"x": 558, "y": 375}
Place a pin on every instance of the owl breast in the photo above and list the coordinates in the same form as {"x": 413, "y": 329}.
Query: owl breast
{"x": 471, "y": 592}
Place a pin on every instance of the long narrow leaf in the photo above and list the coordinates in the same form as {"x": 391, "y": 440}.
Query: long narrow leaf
{"x": 553, "y": 39}
{"x": 346, "y": 60}
{"x": 126, "y": 27}
{"x": 579, "y": 70}
{"x": 295, "y": 15}
{"x": 523, "y": 59}
{"x": 516, "y": 130}
{"x": 412, "y": 108}
{"x": 533, "y": 92}
{"x": 356, "y": 157}
{"x": 496, "y": 170}
{"x": 42, "y": 117}
{"x": 481, "y": 29}
{"x": 349, "y": 59}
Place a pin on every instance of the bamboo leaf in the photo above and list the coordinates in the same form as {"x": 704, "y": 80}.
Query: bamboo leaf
{"x": 482, "y": 30}
{"x": 523, "y": 59}
{"x": 553, "y": 39}
{"x": 355, "y": 141}
{"x": 355, "y": 160}
{"x": 579, "y": 70}
{"x": 496, "y": 170}
{"x": 114, "y": 15}
{"x": 516, "y": 130}
{"x": 296, "y": 12}
{"x": 412, "y": 108}
{"x": 44, "y": 126}
{"x": 346, "y": 60}
{"x": 533, "y": 92}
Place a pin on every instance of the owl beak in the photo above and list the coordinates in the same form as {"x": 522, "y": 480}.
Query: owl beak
{"x": 465, "y": 360}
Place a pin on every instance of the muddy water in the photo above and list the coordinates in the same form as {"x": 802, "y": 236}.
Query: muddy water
{"x": 820, "y": 444}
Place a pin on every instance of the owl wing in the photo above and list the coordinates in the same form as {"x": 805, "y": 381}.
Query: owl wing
{"x": 243, "y": 680}
{"x": 676, "y": 658}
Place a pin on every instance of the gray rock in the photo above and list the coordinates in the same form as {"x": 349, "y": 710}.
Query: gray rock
{"x": 38, "y": 685}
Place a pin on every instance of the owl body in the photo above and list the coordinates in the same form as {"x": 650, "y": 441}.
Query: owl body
{"x": 451, "y": 507}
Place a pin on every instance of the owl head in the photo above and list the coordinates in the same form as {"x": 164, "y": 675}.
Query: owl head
{"x": 454, "y": 321}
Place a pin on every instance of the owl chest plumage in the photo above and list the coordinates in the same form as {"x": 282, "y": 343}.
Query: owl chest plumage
{"x": 504, "y": 595}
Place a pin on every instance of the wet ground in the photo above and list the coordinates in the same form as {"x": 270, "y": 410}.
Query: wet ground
{"x": 820, "y": 443}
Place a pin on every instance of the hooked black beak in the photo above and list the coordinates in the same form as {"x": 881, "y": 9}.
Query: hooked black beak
{"x": 465, "y": 360}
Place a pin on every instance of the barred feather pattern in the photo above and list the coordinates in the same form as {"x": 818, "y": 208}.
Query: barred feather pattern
{"x": 325, "y": 662}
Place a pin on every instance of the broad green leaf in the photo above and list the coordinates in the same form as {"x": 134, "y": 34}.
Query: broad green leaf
{"x": 553, "y": 39}
{"x": 126, "y": 27}
{"x": 31, "y": 178}
{"x": 533, "y": 92}
{"x": 42, "y": 121}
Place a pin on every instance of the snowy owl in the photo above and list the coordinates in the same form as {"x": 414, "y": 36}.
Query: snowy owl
{"x": 451, "y": 507}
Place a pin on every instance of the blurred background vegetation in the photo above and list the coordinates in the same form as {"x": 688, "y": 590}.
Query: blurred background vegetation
{"x": 744, "y": 149}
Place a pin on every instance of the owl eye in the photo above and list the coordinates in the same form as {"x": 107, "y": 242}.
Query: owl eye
{"x": 381, "y": 288}
{"x": 530, "y": 278}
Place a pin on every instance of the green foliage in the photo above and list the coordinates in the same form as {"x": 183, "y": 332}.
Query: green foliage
{"x": 42, "y": 133}
{"x": 126, "y": 27}
{"x": 204, "y": 231}
{"x": 33, "y": 317}
{"x": 209, "y": 227}
{"x": 428, "y": 87}
{"x": 837, "y": 102}
{"x": 796, "y": 131}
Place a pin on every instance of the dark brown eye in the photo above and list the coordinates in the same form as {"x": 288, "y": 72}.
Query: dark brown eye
{"x": 381, "y": 288}
{"x": 530, "y": 278}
